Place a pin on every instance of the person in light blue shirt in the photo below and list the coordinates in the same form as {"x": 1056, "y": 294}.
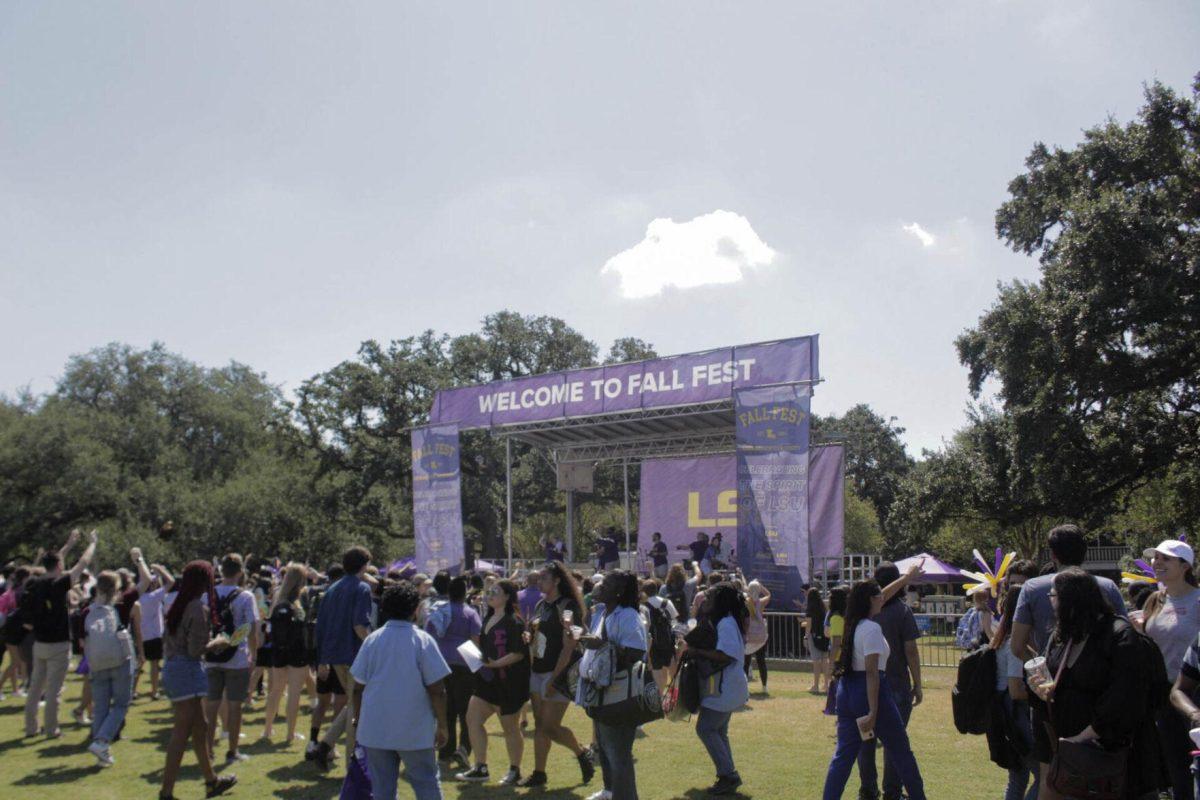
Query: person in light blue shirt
{"x": 615, "y": 617}
{"x": 399, "y": 674}
{"x": 725, "y": 691}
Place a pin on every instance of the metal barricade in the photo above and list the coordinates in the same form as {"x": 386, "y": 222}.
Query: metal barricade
{"x": 787, "y": 642}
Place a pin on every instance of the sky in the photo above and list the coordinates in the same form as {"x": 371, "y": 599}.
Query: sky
{"x": 274, "y": 183}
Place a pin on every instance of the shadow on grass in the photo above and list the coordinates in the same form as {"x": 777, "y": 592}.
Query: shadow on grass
{"x": 58, "y": 774}
{"x": 63, "y": 749}
{"x": 303, "y": 780}
{"x": 702, "y": 794}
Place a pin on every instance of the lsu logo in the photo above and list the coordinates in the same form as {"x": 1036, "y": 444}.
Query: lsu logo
{"x": 726, "y": 504}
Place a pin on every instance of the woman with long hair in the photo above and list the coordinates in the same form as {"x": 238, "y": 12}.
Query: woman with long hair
{"x": 863, "y": 710}
{"x": 1171, "y": 617}
{"x": 189, "y": 622}
{"x": 727, "y": 690}
{"x": 1101, "y": 694}
{"x": 674, "y": 589}
{"x": 1010, "y": 685}
{"x": 14, "y": 632}
{"x": 289, "y": 662}
{"x": 814, "y": 625}
{"x": 560, "y": 607}
{"x": 757, "y": 600}
{"x": 501, "y": 685}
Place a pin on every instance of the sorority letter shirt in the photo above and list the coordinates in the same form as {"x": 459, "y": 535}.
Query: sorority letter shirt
{"x": 395, "y": 664}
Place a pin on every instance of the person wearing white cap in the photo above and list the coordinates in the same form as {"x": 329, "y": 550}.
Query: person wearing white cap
{"x": 1171, "y": 617}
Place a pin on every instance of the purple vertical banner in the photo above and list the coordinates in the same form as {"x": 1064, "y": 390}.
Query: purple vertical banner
{"x": 771, "y": 425}
{"x": 437, "y": 499}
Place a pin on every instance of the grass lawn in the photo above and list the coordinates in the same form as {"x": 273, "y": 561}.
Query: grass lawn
{"x": 782, "y": 747}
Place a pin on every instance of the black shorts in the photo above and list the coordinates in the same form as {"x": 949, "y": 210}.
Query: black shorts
{"x": 153, "y": 649}
{"x": 507, "y": 696}
{"x": 330, "y": 684}
{"x": 282, "y": 658}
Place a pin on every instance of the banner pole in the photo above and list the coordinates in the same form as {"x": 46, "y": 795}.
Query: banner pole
{"x": 625, "y": 469}
{"x": 508, "y": 496}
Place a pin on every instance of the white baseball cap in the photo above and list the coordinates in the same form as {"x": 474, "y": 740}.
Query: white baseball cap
{"x": 1172, "y": 547}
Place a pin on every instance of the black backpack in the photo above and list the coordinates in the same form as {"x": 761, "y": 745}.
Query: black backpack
{"x": 225, "y": 626}
{"x": 820, "y": 640}
{"x": 971, "y": 698}
{"x": 662, "y": 638}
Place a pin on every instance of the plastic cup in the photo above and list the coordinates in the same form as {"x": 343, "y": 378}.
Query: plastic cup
{"x": 568, "y": 617}
{"x": 1037, "y": 671}
{"x": 1195, "y": 734}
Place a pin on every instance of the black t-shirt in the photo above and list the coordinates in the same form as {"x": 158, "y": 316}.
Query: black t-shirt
{"x": 699, "y": 549}
{"x": 548, "y": 618}
{"x": 658, "y": 552}
{"x": 505, "y": 637}
{"x": 45, "y": 603}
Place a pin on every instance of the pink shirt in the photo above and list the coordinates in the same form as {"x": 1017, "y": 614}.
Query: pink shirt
{"x": 8, "y": 602}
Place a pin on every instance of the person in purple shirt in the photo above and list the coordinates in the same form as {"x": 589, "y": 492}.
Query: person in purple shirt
{"x": 343, "y": 621}
{"x": 527, "y": 598}
{"x": 451, "y": 624}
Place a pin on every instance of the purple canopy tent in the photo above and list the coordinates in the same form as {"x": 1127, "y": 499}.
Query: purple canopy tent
{"x": 936, "y": 570}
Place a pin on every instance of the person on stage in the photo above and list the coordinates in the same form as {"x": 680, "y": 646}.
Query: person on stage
{"x": 658, "y": 556}
{"x": 699, "y": 550}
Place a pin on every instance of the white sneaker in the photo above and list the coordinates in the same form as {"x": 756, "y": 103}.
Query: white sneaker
{"x": 100, "y": 750}
{"x": 603, "y": 794}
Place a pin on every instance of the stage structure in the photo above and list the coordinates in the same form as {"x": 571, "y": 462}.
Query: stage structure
{"x": 748, "y": 402}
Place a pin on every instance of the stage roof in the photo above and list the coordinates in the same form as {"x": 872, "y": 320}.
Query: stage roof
{"x": 657, "y": 408}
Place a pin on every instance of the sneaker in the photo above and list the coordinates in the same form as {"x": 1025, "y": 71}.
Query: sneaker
{"x": 234, "y": 758}
{"x": 80, "y": 717}
{"x": 535, "y": 778}
{"x": 476, "y": 774}
{"x": 603, "y": 794}
{"x": 511, "y": 778}
{"x": 725, "y": 785}
{"x": 587, "y": 766}
{"x": 100, "y": 750}
{"x": 310, "y": 752}
{"x": 463, "y": 756}
{"x": 220, "y": 786}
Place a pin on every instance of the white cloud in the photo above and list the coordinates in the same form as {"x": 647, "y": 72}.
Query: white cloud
{"x": 927, "y": 238}
{"x": 713, "y": 248}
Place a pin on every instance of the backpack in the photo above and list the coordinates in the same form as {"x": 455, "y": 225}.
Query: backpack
{"x": 108, "y": 643}
{"x": 679, "y": 600}
{"x": 662, "y": 638}
{"x": 971, "y": 698}
{"x": 820, "y": 640}
{"x": 687, "y": 679}
{"x": 226, "y": 626}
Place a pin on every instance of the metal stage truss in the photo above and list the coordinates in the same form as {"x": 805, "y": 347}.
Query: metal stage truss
{"x": 699, "y": 429}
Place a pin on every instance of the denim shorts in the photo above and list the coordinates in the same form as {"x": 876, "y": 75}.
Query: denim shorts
{"x": 183, "y": 678}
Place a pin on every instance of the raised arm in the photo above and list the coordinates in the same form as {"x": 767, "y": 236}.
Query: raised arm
{"x": 65, "y": 550}
{"x": 145, "y": 578}
{"x": 164, "y": 576}
{"x": 85, "y": 559}
{"x": 896, "y": 586}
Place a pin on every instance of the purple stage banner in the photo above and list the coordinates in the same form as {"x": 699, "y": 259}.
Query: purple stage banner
{"x": 437, "y": 499}
{"x": 771, "y": 427}
{"x": 655, "y": 383}
{"x": 682, "y": 496}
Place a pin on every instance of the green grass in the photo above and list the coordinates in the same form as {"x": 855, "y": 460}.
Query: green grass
{"x": 782, "y": 747}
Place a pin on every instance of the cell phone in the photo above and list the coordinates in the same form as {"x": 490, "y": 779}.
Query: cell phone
{"x": 867, "y": 734}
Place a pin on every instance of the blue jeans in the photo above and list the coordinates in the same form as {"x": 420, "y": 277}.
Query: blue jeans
{"x": 384, "y": 769}
{"x": 111, "y": 691}
{"x": 1029, "y": 773}
{"x": 868, "y": 777}
{"x": 889, "y": 729}
{"x": 616, "y": 759}
{"x": 713, "y": 729}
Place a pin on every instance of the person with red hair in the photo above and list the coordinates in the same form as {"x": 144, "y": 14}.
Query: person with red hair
{"x": 187, "y": 638}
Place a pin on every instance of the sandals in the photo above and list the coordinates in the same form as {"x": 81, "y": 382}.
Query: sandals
{"x": 220, "y": 786}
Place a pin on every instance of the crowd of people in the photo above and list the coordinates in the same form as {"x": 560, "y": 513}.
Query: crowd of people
{"x": 1077, "y": 664}
{"x": 369, "y": 647}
